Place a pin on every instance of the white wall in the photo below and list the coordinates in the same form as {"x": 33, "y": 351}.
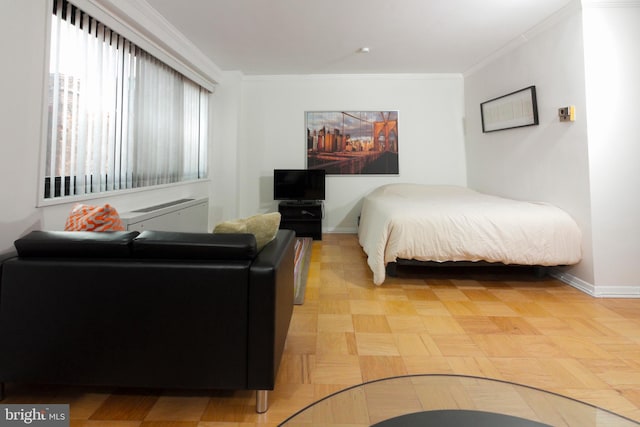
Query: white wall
{"x": 272, "y": 134}
{"x": 21, "y": 121}
{"x": 20, "y": 112}
{"x": 586, "y": 57}
{"x": 612, "y": 37}
{"x": 548, "y": 162}
{"x": 223, "y": 154}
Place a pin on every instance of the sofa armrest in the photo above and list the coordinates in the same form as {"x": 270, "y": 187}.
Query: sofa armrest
{"x": 5, "y": 256}
{"x": 271, "y": 294}
{"x": 12, "y": 253}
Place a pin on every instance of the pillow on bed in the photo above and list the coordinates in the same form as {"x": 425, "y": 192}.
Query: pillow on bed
{"x": 93, "y": 218}
{"x": 263, "y": 226}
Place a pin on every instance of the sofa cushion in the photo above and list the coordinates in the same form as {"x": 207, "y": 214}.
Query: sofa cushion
{"x": 263, "y": 226}
{"x": 94, "y": 218}
{"x": 77, "y": 244}
{"x": 195, "y": 246}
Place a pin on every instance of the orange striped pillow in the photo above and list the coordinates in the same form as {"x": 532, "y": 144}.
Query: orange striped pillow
{"x": 93, "y": 218}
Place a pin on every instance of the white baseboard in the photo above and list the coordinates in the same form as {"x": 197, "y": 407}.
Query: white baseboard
{"x": 341, "y": 230}
{"x": 596, "y": 291}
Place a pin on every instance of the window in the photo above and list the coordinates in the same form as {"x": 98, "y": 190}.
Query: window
{"x": 118, "y": 117}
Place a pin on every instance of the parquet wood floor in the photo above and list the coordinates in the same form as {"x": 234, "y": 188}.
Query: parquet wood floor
{"x": 502, "y": 324}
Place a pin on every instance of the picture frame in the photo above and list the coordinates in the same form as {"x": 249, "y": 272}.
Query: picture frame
{"x": 352, "y": 142}
{"x": 513, "y": 110}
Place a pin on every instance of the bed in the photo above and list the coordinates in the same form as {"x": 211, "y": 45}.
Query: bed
{"x": 451, "y": 223}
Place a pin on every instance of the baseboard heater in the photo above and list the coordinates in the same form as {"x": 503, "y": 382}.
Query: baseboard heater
{"x": 190, "y": 215}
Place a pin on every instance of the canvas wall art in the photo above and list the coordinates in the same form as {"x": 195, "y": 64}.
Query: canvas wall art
{"x": 352, "y": 142}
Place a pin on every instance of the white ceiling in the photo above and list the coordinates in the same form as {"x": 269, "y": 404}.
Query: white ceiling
{"x": 264, "y": 37}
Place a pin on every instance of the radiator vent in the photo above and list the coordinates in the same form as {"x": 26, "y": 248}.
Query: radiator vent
{"x": 190, "y": 215}
{"x": 163, "y": 205}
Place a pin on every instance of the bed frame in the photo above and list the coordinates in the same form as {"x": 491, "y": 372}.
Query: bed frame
{"x": 392, "y": 267}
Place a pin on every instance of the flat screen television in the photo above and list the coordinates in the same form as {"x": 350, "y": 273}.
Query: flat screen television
{"x": 298, "y": 184}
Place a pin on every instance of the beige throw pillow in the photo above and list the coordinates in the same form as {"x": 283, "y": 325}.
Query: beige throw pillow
{"x": 233, "y": 226}
{"x": 263, "y": 226}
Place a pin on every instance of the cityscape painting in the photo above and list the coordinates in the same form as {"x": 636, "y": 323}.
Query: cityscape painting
{"x": 352, "y": 142}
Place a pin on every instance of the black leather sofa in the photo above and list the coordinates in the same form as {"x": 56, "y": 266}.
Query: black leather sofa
{"x": 155, "y": 310}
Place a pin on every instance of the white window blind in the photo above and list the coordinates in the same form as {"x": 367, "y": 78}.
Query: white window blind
{"x": 118, "y": 117}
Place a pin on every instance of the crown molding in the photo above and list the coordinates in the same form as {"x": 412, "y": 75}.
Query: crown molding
{"x": 390, "y": 76}
{"x": 570, "y": 9}
{"x": 594, "y": 4}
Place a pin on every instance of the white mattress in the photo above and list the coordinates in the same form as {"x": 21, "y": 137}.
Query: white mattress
{"x": 450, "y": 223}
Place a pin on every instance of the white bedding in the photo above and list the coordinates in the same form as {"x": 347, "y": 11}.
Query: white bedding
{"x": 450, "y": 223}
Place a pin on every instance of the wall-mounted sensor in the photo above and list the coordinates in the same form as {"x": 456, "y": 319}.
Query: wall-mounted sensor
{"x": 567, "y": 114}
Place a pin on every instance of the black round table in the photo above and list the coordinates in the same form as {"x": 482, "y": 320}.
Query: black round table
{"x": 451, "y": 401}
{"x": 458, "y": 418}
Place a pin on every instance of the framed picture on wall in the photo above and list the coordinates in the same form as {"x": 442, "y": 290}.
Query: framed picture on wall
{"x": 514, "y": 110}
{"x": 352, "y": 142}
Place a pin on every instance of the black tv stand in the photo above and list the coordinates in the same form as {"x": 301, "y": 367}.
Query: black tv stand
{"x": 300, "y": 202}
{"x": 302, "y": 216}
